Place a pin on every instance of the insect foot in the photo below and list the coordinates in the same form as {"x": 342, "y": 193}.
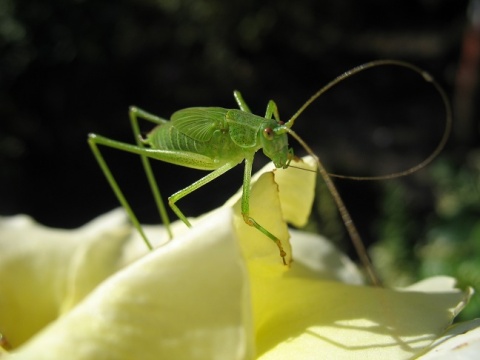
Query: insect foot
{"x": 251, "y": 222}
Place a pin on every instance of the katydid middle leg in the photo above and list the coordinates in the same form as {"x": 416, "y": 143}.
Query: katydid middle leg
{"x": 196, "y": 185}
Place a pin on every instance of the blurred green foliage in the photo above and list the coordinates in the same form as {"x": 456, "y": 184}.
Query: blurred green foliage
{"x": 414, "y": 245}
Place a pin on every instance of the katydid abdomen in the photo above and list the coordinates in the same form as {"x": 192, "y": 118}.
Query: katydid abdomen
{"x": 220, "y": 135}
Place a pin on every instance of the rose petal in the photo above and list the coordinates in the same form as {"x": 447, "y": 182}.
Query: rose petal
{"x": 297, "y": 190}
{"x": 265, "y": 209}
{"x": 277, "y": 195}
{"x": 186, "y": 300}
{"x": 44, "y": 271}
{"x": 461, "y": 341}
{"x": 301, "y": 318}
{"x": 316, "y": 257}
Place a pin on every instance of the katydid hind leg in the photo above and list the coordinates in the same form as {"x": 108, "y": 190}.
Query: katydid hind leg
{"x": 242, "y": 105}
{"x": 93, "y": 141}
{"x": 136, "y": 113}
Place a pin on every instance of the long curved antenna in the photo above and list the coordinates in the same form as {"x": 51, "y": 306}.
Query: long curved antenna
{"x": 433, "y": 155}
{"x": 347, "y": 219}
{"x": 426, "y": 76}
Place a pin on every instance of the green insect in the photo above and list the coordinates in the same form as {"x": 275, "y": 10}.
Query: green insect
{"x": 217, "y": 139}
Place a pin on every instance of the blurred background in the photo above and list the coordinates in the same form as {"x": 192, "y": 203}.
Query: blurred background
{"x": 71, "y": 67}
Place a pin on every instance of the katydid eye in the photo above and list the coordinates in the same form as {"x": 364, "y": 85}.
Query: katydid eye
{"x": 268, "y": 133}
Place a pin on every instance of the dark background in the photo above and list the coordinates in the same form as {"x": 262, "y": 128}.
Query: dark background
{"x": 68, "y": 68}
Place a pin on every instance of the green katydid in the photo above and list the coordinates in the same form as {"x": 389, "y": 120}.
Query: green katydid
{"x": 217, "y": 139}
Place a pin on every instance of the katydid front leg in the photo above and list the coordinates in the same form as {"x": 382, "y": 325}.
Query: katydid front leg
{"x": 246, "y": 207}
{"x": 272, "y": 110}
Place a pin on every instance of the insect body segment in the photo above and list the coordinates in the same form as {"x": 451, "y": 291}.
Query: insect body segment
{"x": 201, "y": 148}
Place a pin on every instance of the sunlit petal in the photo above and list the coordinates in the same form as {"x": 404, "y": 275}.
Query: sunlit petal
{"x": 187, "y": 300}
{"x": 44, "y": 271}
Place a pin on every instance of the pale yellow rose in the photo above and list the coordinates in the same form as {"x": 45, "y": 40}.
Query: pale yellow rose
{"x": 216, "y": 291}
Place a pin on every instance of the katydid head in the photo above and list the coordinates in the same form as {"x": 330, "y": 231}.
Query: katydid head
{"x": 275, "y": 143}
